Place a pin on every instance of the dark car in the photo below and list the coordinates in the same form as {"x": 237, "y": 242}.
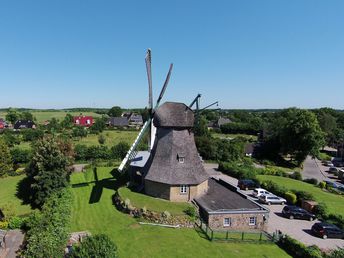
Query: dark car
{"x": 294, "y": 212}
{"x": 325, "y": 230}
{"x": 247, "y": 184}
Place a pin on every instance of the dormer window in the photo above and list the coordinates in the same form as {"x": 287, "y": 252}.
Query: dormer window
{"x": 181, "y": 157}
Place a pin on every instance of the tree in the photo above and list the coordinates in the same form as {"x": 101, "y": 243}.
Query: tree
{"x": 48, "y": 170}
{"x": 26, "y": 115}
{"x": 120, "y": 150}
{"x": 54, "y": 125}
{"x": 99, "y": 125}
{"x": 115, "y": 111}
{"x": 67, "y": 122}
{"x": 6, "y": 164}
{"x": 95, "y": 246}
{"x": 299, "y": 133}
{"x": 201, "y": 128}
{"x": 79, "y": 132}
{"x": 101, "y": 139}
{"x": 12, "y": 116}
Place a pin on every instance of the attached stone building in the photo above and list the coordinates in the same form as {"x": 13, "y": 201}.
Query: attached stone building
{"x": 224, "y": 207}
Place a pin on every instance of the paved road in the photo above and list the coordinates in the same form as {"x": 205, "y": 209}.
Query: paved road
{"x": 313, "y": 168}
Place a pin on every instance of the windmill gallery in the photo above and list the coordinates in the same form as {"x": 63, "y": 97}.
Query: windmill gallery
{"x": 172, "y": 169}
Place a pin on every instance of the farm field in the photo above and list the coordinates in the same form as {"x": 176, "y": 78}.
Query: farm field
{"x": 112, "y": 137}
{"x": 8, "y": 189}
{"x": 134, "y": 240}
{"x": 232, "y": 136}
{"x": 42, "y": 116}
{"x": 335, "y": 203}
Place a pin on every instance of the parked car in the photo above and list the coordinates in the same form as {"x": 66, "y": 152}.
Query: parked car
{"x": 271, "y": 199}
{"x": 328, "y": 163}
{"x": 335, "y": 185}
{"x": 325, "y": 230}
{"x": 294, "y": 212}
{"x": 333, "y": 170}
{"x": 260, "y": 191}
{"x": 247, "y": 184}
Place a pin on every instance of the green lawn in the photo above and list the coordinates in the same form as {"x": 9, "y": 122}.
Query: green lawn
{"x": 8, "y": 189}
{"x": 335, "y": 203}
{"x": 159, "y": 205}
{"x": 134, "y": 240}
{"x": 112, "y": 137}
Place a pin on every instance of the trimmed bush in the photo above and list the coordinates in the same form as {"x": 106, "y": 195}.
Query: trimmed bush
{"x": 16, "y": 222}
{"x": 290, "y": 197}
{"x": 190, "y": 211}
{"x": 296, "y": 175}
{"x": 312, "y": 181}
{"x": 322, "y": 185}
{"x": 297, "y": 249}
{"x": 320, "y": 210}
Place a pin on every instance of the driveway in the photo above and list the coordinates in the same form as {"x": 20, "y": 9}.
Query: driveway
{"x": 298, "y": 229}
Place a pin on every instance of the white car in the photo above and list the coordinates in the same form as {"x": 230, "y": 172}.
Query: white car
{"x": 260, "y": 191}
{"x": 272, "y": 199}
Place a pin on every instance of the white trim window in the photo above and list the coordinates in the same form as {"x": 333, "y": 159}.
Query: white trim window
{"x": 183, "y": 189}
{"x": 181, "y": 159}
{"x": 253, "y": 221}
{"x": 226, "y": 222}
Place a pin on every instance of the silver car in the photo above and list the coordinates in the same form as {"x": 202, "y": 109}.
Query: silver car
{"x": 271, "y": 199}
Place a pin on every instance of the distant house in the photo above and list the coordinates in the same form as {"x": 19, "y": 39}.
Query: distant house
{"x": 218, "y": 123}
{"x": 226, "y": 207}
{"x": 24, "y": 124}
{"x": 222, "y": 121}
{"x": 83, "y": 120}
{"x": 118, "y": 122}
{"x": 3, "y": 124}
{"x": 135, "y": 120}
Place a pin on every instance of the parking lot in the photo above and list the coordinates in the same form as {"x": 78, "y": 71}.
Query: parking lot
{"x": 298, "y": 229}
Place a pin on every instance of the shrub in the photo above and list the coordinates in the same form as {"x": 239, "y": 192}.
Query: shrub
{"x": 312, "y": 181}
{"x": 302, "y": 195}
{"x": 321, "y": 210}
{"x": 296, "y": 175}
{"x": 339, "y": 253}
{"x": 297, "y": 249}
{"x": 190, "y": 211}
{"x": 290, "y": 197}
{"x": 95, "y": 246}
{"x": 273, "y": 188}
{"x": 322, "y": 185}
{"x": 237, "y": 171}
{"x": 3, "y": 224}
{"x": 101, "y": 139}
{"x": 16, "y": 222}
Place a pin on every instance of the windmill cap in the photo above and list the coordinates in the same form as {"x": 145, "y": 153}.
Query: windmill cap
{"x": 173, "y": 114}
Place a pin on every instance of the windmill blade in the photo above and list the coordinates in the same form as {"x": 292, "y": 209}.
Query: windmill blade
{"x": 148, "y": 60}
{"x": 165, "y": 85}
{"x": 132, "y": 151}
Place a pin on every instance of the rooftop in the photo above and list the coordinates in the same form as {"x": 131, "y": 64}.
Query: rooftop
{"x": 173, "y": 114}
{"x": 222, "y": 197}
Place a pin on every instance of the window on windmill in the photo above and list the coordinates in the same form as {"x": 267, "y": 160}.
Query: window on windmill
{"x": 181, "y": 158}
{"x": 183, "y": 189}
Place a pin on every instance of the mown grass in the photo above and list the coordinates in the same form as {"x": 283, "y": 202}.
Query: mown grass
{"x": 232, "y": 136}
{"x": 154, "y": 204}
{"x": 134, "y": 240}
{"x": 8, "y": 190}
{"x": 112, "y": 137}
{"x": 335, "y": 203}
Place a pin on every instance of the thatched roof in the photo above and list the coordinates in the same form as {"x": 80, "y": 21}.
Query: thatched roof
{"x": 163, "y": 165}
{"x": 172, "y": 114}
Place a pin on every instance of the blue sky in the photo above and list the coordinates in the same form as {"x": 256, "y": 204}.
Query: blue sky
{"x": 245, "y": 54}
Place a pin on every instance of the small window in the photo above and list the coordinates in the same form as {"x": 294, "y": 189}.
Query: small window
{"x": 183, "y": 189}
{"x": 253, "y": 221}
{"x": 181, "y": 159}
{"x": 226, "y": 222}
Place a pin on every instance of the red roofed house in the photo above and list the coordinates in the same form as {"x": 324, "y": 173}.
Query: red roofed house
{"x": 2, "y": 123}
{"x": 83, "y": 120}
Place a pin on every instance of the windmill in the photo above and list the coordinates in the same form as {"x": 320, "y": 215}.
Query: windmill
{"x": 148, "y": 124}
